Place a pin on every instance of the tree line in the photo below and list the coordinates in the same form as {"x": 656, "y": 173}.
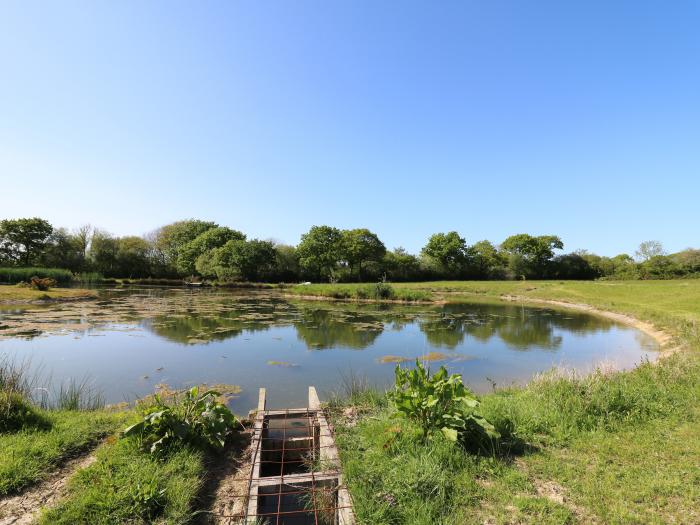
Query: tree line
{"x": 205, "y": 250}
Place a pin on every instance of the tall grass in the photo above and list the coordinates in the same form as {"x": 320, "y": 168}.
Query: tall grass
{"x": 364, "y": 291}
{"x": 77, "y": 395}
{"x": 556, "y": 407}
{"x": 18, "y": 275}
{"x": 88, "y": 278}
{"x": 22, "y": 399}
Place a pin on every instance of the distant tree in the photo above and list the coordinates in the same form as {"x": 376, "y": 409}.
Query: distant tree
{"x": 320, "y": 250}
{"x": 63, "y": 250}
{"x": 169, "y": 240}
{"x": 399, "y": 265}
{"x": 649, "y": 249}
{"x": 252, "y": 258}
{"x": 103, "y": 253}
{"x": 361, "y": 245}
{"x": 658, "y": 267}
{"x": 688, "y": 261}
{"x": 624, "y": 267}
{"x": 238, "y": 259}
{"x": 449, "y": 251}
{"x": 82, "y": 238}
{"x": 22, "y": 240}
{"x": 529, "y": 255}
{"x": 286, "y": 267}
{"x": 210, "y": 239}
{"x": 132, "y": 257}
{"x": 489, "y": 262}
{"x": 572, "y": 266}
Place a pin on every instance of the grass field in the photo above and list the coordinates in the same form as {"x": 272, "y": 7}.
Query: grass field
{"x": 607, "y": 448}
{"x": 16, "y": 294}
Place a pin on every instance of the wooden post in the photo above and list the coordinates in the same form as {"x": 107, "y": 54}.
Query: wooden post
{"x": 256, "y": 444}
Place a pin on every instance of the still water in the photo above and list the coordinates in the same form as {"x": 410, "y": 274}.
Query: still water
{"x": 132, "y": 339}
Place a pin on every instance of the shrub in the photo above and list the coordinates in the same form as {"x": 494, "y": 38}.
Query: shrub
{"x": 193, "y": 418}
{"x": 42, "y": 284}
{"x": 443, "y": 403}
{"x": 88, "y": 278}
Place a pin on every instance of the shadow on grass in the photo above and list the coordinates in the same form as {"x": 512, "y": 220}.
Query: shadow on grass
{"x": 223, "y": 467}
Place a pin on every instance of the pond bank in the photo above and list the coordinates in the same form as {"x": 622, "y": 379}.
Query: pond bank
{"x": 12, "y": 294}
{"x": 611, "y": 447}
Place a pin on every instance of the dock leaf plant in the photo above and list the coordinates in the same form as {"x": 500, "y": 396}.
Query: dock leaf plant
{"x": 195, "y": 418}
{"x": 441, "y": 403}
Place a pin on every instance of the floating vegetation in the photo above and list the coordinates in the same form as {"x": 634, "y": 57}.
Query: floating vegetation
{"x": 393, "y": 359}
{"x": 283, "y": 364}
{"x": 434, "y": 356}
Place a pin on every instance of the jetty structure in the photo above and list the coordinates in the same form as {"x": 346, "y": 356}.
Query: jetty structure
{"x": 295, "y": 476}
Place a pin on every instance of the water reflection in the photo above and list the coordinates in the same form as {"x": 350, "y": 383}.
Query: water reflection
{"x": 197, "y": 317}
{"x": 184, "y": 337}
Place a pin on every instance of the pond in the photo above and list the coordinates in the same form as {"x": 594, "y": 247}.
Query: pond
{"x": 130, "y": 340}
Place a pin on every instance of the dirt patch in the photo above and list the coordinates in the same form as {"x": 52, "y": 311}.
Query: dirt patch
{"x": 556, "y": 493}
{"x": 225, "y": 491}
{"x": 24, "y": 508}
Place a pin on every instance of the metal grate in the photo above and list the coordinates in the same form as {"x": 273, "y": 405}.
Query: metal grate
{"x": 295, "y": 476}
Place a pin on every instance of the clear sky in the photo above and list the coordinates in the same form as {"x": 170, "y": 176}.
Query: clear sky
{"x": 580, "y": 119}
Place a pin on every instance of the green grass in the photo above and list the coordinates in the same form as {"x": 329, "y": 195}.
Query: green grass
{"x": 360, "y": 291}
{"x": 30, "y": 454}
{"x": 606, "y": 448}
{"x": 127, "y": 485}
{"x": 16, "y": 294}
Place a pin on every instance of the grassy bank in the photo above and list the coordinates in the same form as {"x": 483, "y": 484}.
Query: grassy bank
{"x": 93, "y": 465}
{"x": 18, "y": 275}
{"x": 30, "y": 454}
{"x": 606, "y": 448}
{"x": 16, "y": 294}
{"x": 360, "y": 291}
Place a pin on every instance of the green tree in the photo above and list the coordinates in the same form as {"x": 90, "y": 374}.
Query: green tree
{"x": 489, "y": 262}
{"x": 210, "y": 239}
{"x": 169, "y": 240}
{"x": 22, "y": 240}
{"x": 529, "y": 255}
{"x": 286, "y": 264}
{"x": 399, "y": 265}
{"x": 103, "y": 253}
{"x": 449, "y": 251}
{"x": 320, "y": 250}
{"x": 361, "y": 245}
{"x": 688, "y": 261}
{"x": 63, "y": 250}
{"x": 132, "y": 257}
{"x": 247, "y": 260}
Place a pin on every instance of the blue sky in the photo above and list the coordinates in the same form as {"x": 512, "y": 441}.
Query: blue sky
{"x": 580, "y": 119}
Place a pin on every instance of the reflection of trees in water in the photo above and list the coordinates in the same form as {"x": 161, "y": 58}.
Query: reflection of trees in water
{"x": 186, "y": 329}
{"x": 443, "y": 330}
{"x": 518, "y": 327}
{"x": 326, "y": 325}
{"x": 323, "y": 328}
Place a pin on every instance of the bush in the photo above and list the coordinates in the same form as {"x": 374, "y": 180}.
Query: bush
{"x": 193, "y": 418}
{"x": 88, "y": 278}
{"x": 42, "y": 284}
{"x": 443, "y": 403}
{"x": 18, "y": 275}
